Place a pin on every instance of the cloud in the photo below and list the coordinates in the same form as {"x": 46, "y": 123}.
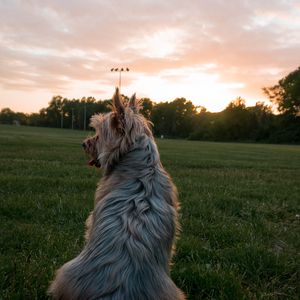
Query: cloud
{"x": 51, "y": 45}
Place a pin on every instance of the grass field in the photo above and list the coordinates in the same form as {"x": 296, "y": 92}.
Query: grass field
{"x": 240, "y": 213}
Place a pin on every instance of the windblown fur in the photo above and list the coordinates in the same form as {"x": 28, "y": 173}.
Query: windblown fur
{"x": 132, "y": 229}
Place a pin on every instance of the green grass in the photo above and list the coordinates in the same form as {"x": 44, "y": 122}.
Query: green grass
{"x": 240, "y": 207}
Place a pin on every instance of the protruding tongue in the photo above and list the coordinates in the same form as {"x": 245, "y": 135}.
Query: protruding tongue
{"x": 92, "y": 162}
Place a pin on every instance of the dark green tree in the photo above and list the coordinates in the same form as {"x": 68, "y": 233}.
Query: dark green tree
{"x": 52, "y": 114}
{"x": 7, "y": 116}
{"x": 235, "y": 123}
{"x": 286, "y": 94}
{"x": 147, "y": 106}
{"x": 262, "y": 121}
{"x": 174, "y": 119}
{"x": 35, "y": 119}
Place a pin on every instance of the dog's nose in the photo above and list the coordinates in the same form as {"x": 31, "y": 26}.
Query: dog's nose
{"x": 83, "y": 145}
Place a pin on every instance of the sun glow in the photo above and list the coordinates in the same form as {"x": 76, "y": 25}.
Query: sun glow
{"x": 193, "y": 84}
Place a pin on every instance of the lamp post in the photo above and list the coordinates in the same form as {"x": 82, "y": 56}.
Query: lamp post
{"x": 62, "y": 119}
{"x": 120, "y": 70}
{"x": 84, "y": 117}
{"x": 72, "y": 118}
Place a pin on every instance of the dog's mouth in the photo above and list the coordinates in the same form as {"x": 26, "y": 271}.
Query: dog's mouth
{"x": 90, "y": 150}
{"x": 94, "y": 162}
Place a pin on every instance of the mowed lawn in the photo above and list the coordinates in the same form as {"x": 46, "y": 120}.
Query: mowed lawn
{"x": 240, "y": 213}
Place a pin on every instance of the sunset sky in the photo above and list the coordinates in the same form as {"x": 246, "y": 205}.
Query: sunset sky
{"x": 209, "y": 52}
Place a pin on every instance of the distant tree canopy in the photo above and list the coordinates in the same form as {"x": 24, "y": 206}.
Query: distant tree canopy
{"x": 286, "y": 94}
{"x": 66, "y": 113}
{"x": 7, "y": 116}
{"x": 235, "y": 123}
{"x": 173, "y": 119}
{"x": 180, "y": 118}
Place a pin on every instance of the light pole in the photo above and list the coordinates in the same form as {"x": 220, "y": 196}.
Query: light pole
{"x": 62, "y": 119}
{"x": 84, "y": 124}
{"x": 72, "y": 118}
{"x": 120, "y": 70}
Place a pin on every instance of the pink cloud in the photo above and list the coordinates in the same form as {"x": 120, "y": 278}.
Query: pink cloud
{"x": 52, "y": 45}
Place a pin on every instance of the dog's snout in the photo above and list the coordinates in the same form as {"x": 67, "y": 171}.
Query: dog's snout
{"x": 84, "y": 145}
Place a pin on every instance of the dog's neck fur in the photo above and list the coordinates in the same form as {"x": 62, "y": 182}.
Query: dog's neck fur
{"x": 140, "y": 164}
{"x": 141, "y": 156}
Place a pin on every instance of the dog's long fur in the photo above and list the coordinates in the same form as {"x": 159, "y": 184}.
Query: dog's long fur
{"x": 132, "y": 229}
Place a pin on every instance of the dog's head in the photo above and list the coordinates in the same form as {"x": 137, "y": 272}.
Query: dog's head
{"x": 116, "y": 131}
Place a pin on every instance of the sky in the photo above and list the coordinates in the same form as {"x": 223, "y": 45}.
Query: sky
{"x": 209, "y": 52}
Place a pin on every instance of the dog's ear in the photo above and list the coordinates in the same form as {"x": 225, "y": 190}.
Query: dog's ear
{"x": 117, "y": 103}
{"x": 118, "y": 115}
{"x": 133, "y": 103}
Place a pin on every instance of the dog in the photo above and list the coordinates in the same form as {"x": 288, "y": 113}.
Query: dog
{"x": 131, "y": 232}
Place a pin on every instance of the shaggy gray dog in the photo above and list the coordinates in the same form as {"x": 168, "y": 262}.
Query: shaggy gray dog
{"x": 133, "y": 227}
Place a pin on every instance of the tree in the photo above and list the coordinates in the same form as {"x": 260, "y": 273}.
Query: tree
{"x": 147, "y": 106}
{"x": 52, "y": 113}
{"x": 262, "y": 121}
{"x": 203, "y": 124}
{"x": 286, "y": 94}
{"x": 7, "y": 116}
{"x": 174, "y": 119}
{"x": 236, "y": 123}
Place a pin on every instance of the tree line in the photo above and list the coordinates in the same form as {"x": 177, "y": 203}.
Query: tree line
{"x": 180, "y": 118}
